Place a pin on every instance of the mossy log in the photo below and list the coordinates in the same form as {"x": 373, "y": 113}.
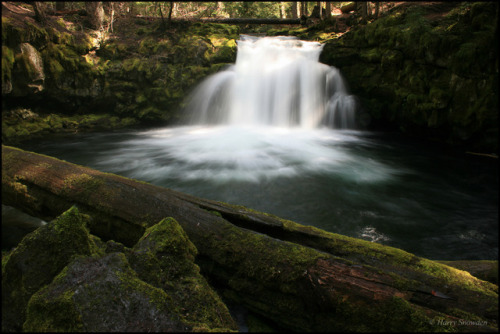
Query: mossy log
{"x": 242, "y": 20}
{"x": 300, "y": 277}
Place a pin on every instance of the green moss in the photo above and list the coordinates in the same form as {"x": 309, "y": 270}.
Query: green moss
{"x": 99, "y": 292}
{"x": 164, "y": 257}
{"x": 39, "y": 257}
{"x": 5, "y": 259}
{"x": 147, "y": 45}
{"x": 82, "y": 184}
{"x": 131, "y": 64}
{"x": 7, "y": 63}
{"x": 65, "y": 316}
{"x": 386, "y": 258}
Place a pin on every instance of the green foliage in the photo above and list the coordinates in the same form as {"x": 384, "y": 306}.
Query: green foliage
{"x": 252, "y": 9}
{"x": 233, "y": 9}
{"x": 7, "y": 63}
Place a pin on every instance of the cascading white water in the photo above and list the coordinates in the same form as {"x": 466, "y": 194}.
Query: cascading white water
{"x": 276, "y": 81}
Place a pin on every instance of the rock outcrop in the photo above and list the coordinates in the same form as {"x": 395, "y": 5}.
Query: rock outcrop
{"x": 429, "y": 71}
{"x": 139, "y": 75}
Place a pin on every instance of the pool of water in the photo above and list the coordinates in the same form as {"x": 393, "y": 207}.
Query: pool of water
{"x": 421, "y": 198}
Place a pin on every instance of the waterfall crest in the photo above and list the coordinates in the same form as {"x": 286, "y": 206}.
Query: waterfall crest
{"x": 276, "y": 81}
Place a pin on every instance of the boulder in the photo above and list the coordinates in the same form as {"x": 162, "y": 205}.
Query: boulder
{"x": 61, "y": 278}
{"x": 164, "y": 258}
{"x": 39, "y": 257}
{"x": 101, "y": 294}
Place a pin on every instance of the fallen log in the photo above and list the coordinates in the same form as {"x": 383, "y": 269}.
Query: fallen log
{"x": 229, "y": 20}
{"x": 349, "y": 7}
{"x": 299, "y": 277}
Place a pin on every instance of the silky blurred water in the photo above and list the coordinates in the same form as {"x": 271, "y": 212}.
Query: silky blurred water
{"x": 421, "y": 198}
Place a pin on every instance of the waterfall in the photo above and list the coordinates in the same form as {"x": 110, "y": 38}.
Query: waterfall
{"x": 276, "y": 81}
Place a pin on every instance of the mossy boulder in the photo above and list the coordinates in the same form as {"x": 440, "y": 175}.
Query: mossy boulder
{"x": 101, "y": 294}
{"x": 39, "y": 257}
{"x": 61, "y": 278}
{"x": 164, "y": 258}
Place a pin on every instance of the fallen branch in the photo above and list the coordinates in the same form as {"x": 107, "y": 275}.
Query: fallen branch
{"x": 492, "y": 155}
{"x": 300, "y": 277}
{"x": 228, "y": 20}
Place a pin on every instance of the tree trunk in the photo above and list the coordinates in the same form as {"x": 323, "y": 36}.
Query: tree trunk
{"x": 40, "y": 15}
{"x": 377, "y": 8}
{"x": 364, "y": 9}
{"x": 294, "y": 10}
{"x": 303, "y": 10}
{"x": 328, "y": 9}
{"x": 300, "y": 277}
{"x": 109, "y": 10}
{"x": 172, "y": 4}
{"x": 95, "y": 13}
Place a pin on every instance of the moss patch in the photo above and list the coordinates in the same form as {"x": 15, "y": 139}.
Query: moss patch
{"x": 164, "y": 257}
{"x": 101, "y": 294}
{"x": 39, "y": 257}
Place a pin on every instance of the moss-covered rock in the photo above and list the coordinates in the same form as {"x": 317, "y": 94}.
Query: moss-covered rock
{"x": 61, "y": 278}
{"x": 435, "y": 64}
{"x": 140, "y": 77}
{"x": 164, "y": 258}
{"x": 101, "y": 294}
{"x": 22, "y": 124}
{"x": 39, "y": 257}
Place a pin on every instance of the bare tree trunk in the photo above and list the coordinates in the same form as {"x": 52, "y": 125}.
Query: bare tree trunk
{"x": 320, "y": 9}
{"x": 377, "y": 8}
{"x": 40, "y": 13}
{"x": 294, "y": 10}
{"x": 95, "y": 13}
{"x": 303, "y": 11}
{"x": 364, "y": 9}
{"x": 109, "y": 10}
{"x": 301, "y": 277}
{"x": 172, "y": 4}
{"x": 328, "y": 9}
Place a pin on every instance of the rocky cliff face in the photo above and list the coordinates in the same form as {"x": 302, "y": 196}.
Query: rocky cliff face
{"x": 426, "y": 70}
